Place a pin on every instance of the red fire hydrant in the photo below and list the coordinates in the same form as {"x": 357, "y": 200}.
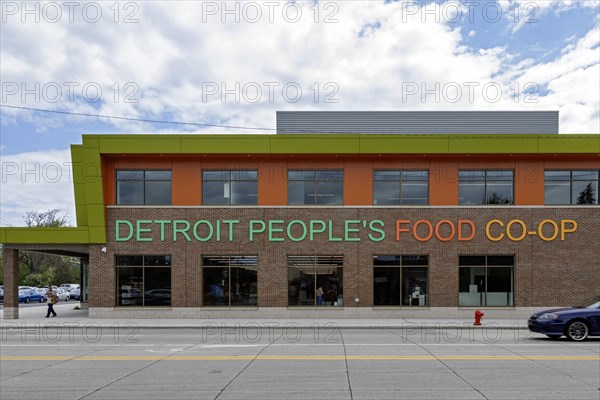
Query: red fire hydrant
{"x": 478, "y": 316}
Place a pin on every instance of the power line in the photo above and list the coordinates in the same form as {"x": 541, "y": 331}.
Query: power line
{"x": 136, "y": 119}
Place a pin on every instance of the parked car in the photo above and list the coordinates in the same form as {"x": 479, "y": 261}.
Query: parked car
{"x": 45, "y": 289}
{"x": 157, "y": 297}
{"x": 29, "y": 295}
{"x": 75, "y": 294}
{"x": 1, "y": 294}
{"x": 69, "y": 286}
{"x": 62, "y": 294}
{"x": 576, "y": 323}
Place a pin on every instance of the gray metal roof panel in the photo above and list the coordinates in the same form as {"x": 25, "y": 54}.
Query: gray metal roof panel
{"x": 418, "y": 122}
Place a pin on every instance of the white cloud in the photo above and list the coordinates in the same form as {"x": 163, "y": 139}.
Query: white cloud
{"x": 572, "y": 81}
{"x": 520, "y": 13}
{"x": 172, "y": 56}
{"x": 35, "y": 181}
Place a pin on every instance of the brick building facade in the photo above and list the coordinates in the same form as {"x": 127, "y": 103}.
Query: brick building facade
{"x": 442, "y": 258}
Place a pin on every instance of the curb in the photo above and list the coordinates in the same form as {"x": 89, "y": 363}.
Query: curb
{"x": 276, "y": 326}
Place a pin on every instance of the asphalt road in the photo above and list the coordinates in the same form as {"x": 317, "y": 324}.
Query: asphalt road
{"x": 326, "y": 363}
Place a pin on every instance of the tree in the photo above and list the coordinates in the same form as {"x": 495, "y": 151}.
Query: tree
{"x": 497, "y": 198}
{"x": 50, "y": 218}
{"x": 45, "y": 269}
{"x": 46, "y": 278}
{"x": 586, "y": 196}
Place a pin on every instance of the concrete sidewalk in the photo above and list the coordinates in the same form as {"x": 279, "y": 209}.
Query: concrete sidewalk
{"x": 34, "y": 317}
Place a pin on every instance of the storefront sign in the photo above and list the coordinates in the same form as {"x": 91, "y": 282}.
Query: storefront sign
{"x": 375, "y": 230}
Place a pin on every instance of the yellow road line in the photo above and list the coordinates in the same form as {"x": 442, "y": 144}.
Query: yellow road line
{"x": 299, "y": 358}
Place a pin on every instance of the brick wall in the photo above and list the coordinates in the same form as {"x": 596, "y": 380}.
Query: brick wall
{"x": 546, "y": 272}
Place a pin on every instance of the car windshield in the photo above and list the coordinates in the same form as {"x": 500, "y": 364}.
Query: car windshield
{"x": 594, "y": 302}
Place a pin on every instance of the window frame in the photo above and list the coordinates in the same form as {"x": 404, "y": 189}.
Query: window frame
{"x": 229, "y": 267}
{"x": 143, "y": 181}
{"x": 401, "y": 181}
{"x": 486, "y": 182}
{"x": 403, "y": 265}
{"x": 336, "y": 263}
{"x": 315, "y": 180}
{"x": 229, "y": 183}
{"x": 487, "y": 266}
{"x": 143, "y": 266}
{"x": 570, "y": 182}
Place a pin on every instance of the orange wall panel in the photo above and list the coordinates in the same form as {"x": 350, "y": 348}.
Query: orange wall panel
{"x": 529, "y": 183}
{"x": 108, "y": 180}
{"x": 272, "y": 183}
{"x": 358, "y": 183}
{"x": 443, "y": 183}
{"x": 143, "y": 163}
{"x": 187, "y": 183}
{"x": 572, "y": 162}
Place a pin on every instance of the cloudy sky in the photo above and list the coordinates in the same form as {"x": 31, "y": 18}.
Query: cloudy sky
{"x": 224, "y": 66}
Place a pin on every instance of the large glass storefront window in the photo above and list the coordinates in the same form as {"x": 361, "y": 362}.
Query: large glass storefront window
{"x": 143, "y": 280}
{"x": 315, "y": 281}
{"x": 486, "y": 281}
{"x": 229, "y": 280}
{"x": 400, "y": 280}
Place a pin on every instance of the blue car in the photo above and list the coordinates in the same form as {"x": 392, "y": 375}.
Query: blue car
{"x": 75, "y": 294}
{"x": 576, "y": 323}
{"x": 28, "y": 295}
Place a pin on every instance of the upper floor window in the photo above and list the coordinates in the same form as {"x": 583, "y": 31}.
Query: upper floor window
{"x": 570, "y": 187}
{"x": 238, "y": 187}
{"x": 400, "y": 187}
{"x": 135, "y": 187}
{"x": 316, "y": 187}
{"x": 485, "y": 187}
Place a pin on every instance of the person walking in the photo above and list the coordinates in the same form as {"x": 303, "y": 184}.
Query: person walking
{"x": 52, "y": 300}
{"x": 320, "y": 295}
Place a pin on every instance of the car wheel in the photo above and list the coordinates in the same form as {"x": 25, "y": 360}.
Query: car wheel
{"x": 577, "y": 331}
{"x": 41, "y": 299}
{"x": 554, "y": 337}
{"x": 27, "y": 300}
{"x": 67, "y": 298}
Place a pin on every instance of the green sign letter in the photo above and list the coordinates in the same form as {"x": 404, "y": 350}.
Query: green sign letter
{"x": 252, "y": 231}
{"x": 139, "y": 230}
{"x": 118, "y": 229}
